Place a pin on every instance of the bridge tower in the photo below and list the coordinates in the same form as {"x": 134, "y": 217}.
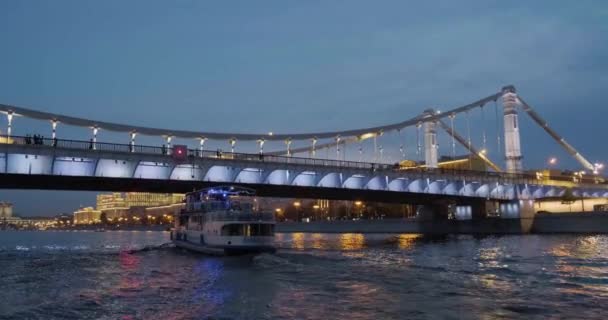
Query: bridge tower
{"x": 430, "y": 141}
{"x": 512, "y": 144}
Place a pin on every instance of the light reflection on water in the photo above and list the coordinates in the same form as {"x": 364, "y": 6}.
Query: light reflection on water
{"x": 407, "y": 240}
{"x": 313, "y": 276}
{"x": 352, "y": 241}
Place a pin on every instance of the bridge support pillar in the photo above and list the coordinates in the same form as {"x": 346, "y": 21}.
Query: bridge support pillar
{"x": 474, "y": 211}
{"x": 518, "y": 209}
{"x": 430, "y": 142}
{"x": 512, "y": 144}
{"x": 432, "y": 212}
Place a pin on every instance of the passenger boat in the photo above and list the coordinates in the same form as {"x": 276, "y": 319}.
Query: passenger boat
{"x": 224, "y": 220}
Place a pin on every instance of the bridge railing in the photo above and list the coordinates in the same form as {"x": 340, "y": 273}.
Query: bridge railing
{"x": 192, "y": 153}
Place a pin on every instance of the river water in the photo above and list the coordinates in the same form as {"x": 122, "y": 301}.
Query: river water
{"x": 126, "y": 275}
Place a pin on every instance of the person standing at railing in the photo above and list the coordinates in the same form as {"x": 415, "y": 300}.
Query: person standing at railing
{"x": 55, "y": 142}
{"x": 164, "y": 149}
{"x": 91, "y": 144}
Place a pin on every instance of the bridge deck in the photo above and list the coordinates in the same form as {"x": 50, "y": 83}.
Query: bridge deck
{"x": 105, "y": 161}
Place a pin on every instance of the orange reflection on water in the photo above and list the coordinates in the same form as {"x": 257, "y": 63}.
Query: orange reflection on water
{"x": 352, "y": 241}
{"x": 317, "y": 241}
{"x": 406, "y": 241}
{"x": 574, "y": 265}
{"x": 587, "y": 247}
{"x": 298, "y": 240}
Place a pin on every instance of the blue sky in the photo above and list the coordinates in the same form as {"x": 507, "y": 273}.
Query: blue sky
{"x": 299, "y": 66}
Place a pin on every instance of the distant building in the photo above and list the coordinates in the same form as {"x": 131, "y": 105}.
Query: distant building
{"x": 6, "y": 210}
{"x": 87, "y": 215}
{"x": 117, "y": 201}
{"x": 111, "y": 201}
{"x": 131, "y": 206}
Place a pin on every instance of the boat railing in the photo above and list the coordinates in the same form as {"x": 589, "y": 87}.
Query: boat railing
{"x": 239, "y": 216}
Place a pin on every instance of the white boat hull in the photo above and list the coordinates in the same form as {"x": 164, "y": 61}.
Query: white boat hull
{"x": 222, "y": 245}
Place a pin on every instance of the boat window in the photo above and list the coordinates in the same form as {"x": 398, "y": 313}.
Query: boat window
{"x": 248, "y": 230}
{"x": 235, "y": 205}
{"x": 232, "y": 230}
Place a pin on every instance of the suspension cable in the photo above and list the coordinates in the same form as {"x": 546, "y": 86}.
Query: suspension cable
{"x": 484, "y": 136}
{"x": 418, "y": 147}
{"x": 401, "y": 150}
{"x": 498, "y": 146}
{"x": 375, "y": 148}
{"x": 452, "y": 116}
{"x": 469, "y": 139}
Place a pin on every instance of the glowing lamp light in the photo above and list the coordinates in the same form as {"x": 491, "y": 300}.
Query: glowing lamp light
{"x": 367, "y": 135}
{"x": 179, "y": 152}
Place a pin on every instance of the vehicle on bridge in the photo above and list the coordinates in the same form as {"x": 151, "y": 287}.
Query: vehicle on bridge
{"x": 224, "y": 220}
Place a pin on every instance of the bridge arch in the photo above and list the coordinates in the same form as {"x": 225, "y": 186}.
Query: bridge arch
{"x": 468, "y": 189}
{"x": 355, "y": 181}
{"x": 71, "y": 166}
{"x": 29, "y": 163}
{"x": 483, "y": 191}
{"x": 249, "y": 175}
{"x": 417, "y": 185}
{"x": 377, "y": 183}
{"x": 452, "y": 188}
{"x": 305, "y": 179}
{"x": 115, "y": 168}
{"x": 330, "y": 180}
{"x": 538, "y": 193}
{"x": 525, "y": 192}
{"x": 435, "y": 187}
{"x": 217, "y": 173}
{"x": 153, "y": 170}
{"x": 398, "y": 184}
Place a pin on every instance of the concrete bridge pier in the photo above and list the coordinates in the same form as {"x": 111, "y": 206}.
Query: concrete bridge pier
{"x": 475, "y": 210}
{"x": 432, "y": 212}
{"x": 518, "y": 210}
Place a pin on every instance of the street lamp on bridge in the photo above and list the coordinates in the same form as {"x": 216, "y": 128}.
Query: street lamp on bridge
{"x": 552, "y": 161}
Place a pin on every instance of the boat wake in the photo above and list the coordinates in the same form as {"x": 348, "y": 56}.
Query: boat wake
{"x": 164, "y": 246}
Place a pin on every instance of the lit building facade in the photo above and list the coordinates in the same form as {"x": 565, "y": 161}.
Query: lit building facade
{"x": 133, "y": 206}
{"x": 87, "y": 215}
{"x": 118, "y": 201}
{"x": 6, "y": 210}
{"x": 111, "y": 201}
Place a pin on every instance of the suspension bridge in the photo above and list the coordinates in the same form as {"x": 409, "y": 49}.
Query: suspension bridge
{"x": 79, "y": 163}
